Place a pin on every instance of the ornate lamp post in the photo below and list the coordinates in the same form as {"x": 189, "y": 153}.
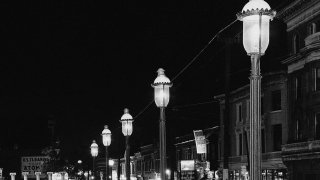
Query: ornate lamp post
{"x": 255, "y": 15}
{"x": 126, "y": 121}
{"x": 106, "y": 139}
{"x": 94, "y": 153}
{"x": 161, "y": 87}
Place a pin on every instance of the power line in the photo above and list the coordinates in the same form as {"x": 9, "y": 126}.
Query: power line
{"x": 192, "y": 61}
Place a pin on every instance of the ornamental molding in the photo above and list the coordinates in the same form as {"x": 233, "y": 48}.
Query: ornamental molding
{"x": 300, "y": 63}
{"x": 299, "y": 12}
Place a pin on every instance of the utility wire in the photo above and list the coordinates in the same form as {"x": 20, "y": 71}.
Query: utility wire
{"x": 192, "y": 61}
{"x": 205, "y": 47}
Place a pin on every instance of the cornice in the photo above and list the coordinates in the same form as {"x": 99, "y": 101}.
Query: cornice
{"x": 291, "y": 9}
{"x": 298, "y": 12}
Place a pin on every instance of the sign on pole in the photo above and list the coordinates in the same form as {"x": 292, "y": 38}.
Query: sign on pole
{"x": 34, "y": 164}
{"x": 200, "y": 142}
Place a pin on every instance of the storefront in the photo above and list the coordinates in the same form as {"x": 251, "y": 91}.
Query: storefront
{"x": 267, "y": 174}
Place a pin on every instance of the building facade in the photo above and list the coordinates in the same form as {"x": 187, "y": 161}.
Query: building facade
{"x": 146, "y": 162}
{"x": 301, "y": 154}
{"x": 191, "y": 164}
{"x": 274, "y": 128}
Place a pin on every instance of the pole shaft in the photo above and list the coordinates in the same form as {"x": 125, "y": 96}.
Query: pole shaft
{"x": 255, "y": 119}
{"x": 93, "y": 168}
{"x": 226, "y": 136}
{"x": 127, "y": 160}
{"x": 162, "y": 136}
{"x": 107, "y": 163}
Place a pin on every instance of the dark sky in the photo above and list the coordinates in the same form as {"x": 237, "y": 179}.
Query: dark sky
{"x": 82, "y": 62}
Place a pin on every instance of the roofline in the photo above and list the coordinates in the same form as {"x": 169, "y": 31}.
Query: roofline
{"x": 221, "y": 96}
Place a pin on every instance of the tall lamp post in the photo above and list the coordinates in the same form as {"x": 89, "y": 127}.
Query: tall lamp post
{"x": 94, "y": 153}
{"x": 126, "y": 121}
{"x": 161, "y": 87}
{"x": 106, "y": 139}
{"x": 255, "y": 15}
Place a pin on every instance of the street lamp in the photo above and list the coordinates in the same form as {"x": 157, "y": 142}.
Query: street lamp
{"x": 111, "y": 163}
{"x": 94, "y": 153}
{"x": 106, "y": 139}
{"x": 255, "y": 15}
{"x": 126, "y": 121}
{"x": 161, "y": 87}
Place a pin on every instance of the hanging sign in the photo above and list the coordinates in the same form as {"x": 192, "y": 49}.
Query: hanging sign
{"x": 200, "y": 140}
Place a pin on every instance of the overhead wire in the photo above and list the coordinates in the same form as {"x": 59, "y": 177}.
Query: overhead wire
{"x": 191, "y": 62}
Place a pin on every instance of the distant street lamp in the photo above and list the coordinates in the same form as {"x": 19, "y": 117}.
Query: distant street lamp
{"x": 126, "y": 121}
{"x": 111, "y": 163}
{"x": 255, "y": 15}
{"x": 94, "y": 153}
{"x": 161, "y": 87}
{"x": 106, "y": 139}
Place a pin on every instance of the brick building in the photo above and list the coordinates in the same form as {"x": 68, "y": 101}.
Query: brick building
{"x": 273, "y": 133}
{"x": 301, "y": 154}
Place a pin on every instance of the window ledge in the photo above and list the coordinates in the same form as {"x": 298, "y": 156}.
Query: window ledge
{"x": 276, "y": 111}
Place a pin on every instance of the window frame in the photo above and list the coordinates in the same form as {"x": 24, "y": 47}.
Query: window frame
{"x": 240, "y": 145}
{"x": 239, "y": 110}
{"x": 316, "y": 71}
{"x": 273, "y": 105}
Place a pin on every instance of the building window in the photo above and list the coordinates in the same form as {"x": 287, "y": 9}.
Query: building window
{"x": 317, "y": 126}
{"x": 277, "y": 137}
{"x": 240, "y": 144}
{"x": 186, "y": 154}
{"x": 248, "y": 110}
{"x": 239, "y": 112}
{"x": 194, "y": 153}
{"x": 296, "y": 44}
{"x": 246, "y": 141}
{"x": 261, "y": 108}
{"x": 297, "y": 87}
{"x": 317, "y": 79}
{"x": 276, "y": 100}
{"x": 263, "y": 141}
{"x": 189, "y": 153}
{"x": 312, "y": 28}
{"x": 298, "y": 128}
{"x": 178, "y": 155}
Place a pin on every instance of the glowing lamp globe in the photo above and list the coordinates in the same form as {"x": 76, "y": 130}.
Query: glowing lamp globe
{"x": 256, "y": 15}
{"x": 126, "y": 121}
{"x": 94, "y": 149}
{"x": 106, "y": 136}
{"x": 161, "y": 87}
{"x": 111, "y": 162}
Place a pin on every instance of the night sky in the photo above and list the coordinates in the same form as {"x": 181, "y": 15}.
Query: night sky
{"x": 80, "y": 63}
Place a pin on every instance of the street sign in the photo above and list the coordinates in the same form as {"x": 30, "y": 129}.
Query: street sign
{"x": 34, "y": 164}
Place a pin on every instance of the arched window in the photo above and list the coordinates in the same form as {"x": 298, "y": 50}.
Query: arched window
{"x": 312, "y": 28}
{"x": 296, "y": 43}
